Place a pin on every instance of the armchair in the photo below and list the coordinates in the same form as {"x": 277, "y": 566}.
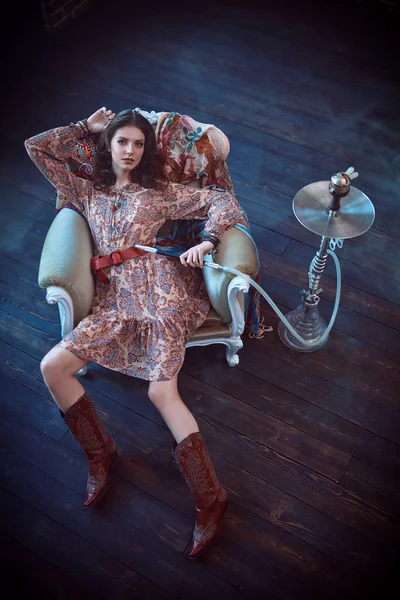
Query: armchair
{"x": 67, "y": 278}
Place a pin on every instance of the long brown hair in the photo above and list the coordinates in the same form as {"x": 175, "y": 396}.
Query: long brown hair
{"x": 150, "y": 171}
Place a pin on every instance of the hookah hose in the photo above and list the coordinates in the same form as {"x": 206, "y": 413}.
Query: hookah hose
{"x": 268, "y": 298}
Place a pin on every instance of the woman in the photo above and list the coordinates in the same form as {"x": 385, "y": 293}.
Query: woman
{"x": 146, "y": 306}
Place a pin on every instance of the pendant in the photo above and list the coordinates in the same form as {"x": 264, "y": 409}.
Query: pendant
{"x": 117, "y": 204}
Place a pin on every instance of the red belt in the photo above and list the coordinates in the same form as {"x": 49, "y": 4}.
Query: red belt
{"x": 98, "y": 262}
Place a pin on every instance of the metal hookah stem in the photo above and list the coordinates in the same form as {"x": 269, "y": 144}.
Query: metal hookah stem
{"x": 317, "y": 266}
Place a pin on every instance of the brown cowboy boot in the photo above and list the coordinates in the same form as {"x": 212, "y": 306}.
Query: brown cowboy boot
{"x": 211, "y": 498}
{"x": 100, "y": 449}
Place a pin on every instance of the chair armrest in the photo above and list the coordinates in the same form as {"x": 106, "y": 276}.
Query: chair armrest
{"x": 65, "y": 260}
{"x": 236, "y": 250}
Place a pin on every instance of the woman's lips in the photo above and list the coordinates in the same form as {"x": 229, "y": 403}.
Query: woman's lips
{"x": 128, "y": 160}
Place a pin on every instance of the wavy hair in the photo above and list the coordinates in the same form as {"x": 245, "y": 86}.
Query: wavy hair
{"x": 150, "y": 172}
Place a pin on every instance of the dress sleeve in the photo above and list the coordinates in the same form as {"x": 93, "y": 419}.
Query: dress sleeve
{"x": 218, "y": 206}
{"x": 50, "y": 151}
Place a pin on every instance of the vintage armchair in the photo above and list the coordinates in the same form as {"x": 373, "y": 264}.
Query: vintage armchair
{"x": 65, "y": 274}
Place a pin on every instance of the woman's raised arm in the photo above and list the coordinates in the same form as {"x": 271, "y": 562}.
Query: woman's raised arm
{"x": 50, "y": 151}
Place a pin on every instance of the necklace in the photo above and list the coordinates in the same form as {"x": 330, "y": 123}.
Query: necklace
{"x": 117, "y": 204}
{"x": 118, "y": 200}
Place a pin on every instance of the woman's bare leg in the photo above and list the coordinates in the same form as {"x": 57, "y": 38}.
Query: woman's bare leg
{"x": 165, "y": 396}
{"x": 58, "y": 368}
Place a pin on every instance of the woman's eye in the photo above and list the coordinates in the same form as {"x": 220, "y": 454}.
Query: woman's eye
{"x": 139, "y": 144}
{"x": 120, "y": 141}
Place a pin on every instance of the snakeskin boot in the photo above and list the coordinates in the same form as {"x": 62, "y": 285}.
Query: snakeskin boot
{"x": 210, "y": 497}
{"x": 100, "y": 449}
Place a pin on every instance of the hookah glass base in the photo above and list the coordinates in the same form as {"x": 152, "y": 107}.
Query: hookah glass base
{"x": 309, "y": 324}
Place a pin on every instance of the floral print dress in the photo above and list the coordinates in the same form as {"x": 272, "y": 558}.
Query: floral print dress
{"x": 140, "y": 323}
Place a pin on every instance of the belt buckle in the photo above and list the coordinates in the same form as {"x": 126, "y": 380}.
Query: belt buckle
{"x": 117, "y": 258}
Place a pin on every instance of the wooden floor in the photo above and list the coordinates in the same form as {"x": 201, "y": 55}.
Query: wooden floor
{"x": 306, "y": 444}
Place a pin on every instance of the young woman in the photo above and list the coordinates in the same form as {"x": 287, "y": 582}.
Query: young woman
{"x": 146, "y": 306}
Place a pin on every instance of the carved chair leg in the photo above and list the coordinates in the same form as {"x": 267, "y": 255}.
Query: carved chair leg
{"x": 233, "y": 345}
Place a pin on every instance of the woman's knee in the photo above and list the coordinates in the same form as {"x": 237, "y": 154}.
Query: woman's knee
{"x": 55, "y": 366}
{"x": 50, "y": 367}
{"x": 163, "y": 395}
{"x": 156, "y": 397}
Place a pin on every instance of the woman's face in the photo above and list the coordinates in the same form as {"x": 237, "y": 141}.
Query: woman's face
{"x": 127, "y": 147}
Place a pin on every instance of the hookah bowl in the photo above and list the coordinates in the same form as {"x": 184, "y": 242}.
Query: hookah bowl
{"x": 336, "y": 211}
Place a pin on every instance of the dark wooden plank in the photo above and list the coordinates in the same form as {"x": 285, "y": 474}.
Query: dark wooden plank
{"x": 315, "y": 570}
{"x": 33, "y": 183}
{"x": 104, "y": 576}
{"x": 22, "y": 251}
{"x": 323, "y": 532}
{"x": 40, "y": 576}
{"x": 269, "y": 116}
{"x": 278, "y": 85}
{"x": 52, "y": 459}
{"x": 27, "y": 205}
{"x": 291, "y": 442}
{"x": 30, "y": 309}
{"x": 291, "y": 406}
{"x": 32, "y": 408}
{"x": 143, "y": 510}
{"x": 330, "y": 366}
{"x": 17, "y": 227}
{"x": 369, "y": 357}
{"x": 271, "y": 544}
{"x": 328, "y": 61}
{"x": 338, "y": 371}
{"x": 268, "y": 239}
{"x": 20, "y": 276}
{"x": 372, "y": 484}
{"x": 106, "y": 531}
{"x": 352, "y": 350}
{"x": 316, "y": 490}
{"x": 352, "y": 406}
{"x": 157, "y": 520}
{"x": 22, "y": 368}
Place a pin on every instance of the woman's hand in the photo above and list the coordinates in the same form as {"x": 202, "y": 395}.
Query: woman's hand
{"x": 194, "y": 256}
{"x": 99, "y": 120}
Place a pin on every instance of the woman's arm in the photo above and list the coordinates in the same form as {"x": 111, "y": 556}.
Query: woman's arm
{"x": 50, "y": 151}
{"x": 220, "y": 207}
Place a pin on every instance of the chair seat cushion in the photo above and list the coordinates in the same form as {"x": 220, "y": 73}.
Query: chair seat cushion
{"x": 213, "y": 319}
{"x": 211, "y": 328}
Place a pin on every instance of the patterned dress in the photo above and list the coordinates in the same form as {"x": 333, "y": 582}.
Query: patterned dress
{"x": 140, "y": 322}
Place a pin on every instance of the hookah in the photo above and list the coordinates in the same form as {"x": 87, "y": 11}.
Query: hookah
{"x": 336, "y": 211}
